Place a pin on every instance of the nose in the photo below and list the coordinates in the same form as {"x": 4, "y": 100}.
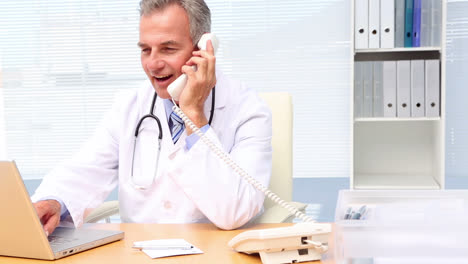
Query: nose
{"x": 155, "y": 63}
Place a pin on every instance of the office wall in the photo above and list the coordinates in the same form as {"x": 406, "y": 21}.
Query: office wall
{"x": 457, "y": 92}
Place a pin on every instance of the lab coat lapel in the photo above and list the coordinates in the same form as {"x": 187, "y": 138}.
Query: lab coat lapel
{"x": 220, "y": 98}
{"x": 146, "y": 151}
{"x": 148, "y": 134}
{"x": 168, "y": 146}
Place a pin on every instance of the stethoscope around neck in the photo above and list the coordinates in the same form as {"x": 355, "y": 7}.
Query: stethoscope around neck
{"x": 151, "y": 115}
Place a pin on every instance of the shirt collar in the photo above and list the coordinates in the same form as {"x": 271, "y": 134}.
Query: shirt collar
{"x": 168, "y": 106}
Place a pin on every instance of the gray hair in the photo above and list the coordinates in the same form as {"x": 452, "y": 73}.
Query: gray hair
{"x": 199, "y": 14}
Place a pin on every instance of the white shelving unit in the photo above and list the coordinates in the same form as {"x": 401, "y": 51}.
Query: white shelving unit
{"x": 399, "y": 153}
{"x": 398, "y": 50}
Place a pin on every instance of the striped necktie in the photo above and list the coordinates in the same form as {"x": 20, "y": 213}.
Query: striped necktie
{"x": 177, "y": 127}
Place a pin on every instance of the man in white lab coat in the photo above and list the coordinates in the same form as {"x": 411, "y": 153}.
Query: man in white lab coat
{"x": 189, "y": 183}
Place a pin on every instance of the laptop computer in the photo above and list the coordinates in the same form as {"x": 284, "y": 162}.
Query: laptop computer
{"x": 22, "y": 234}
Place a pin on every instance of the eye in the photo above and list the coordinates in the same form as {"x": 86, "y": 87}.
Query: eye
{"x": 169, "y": 49}
{"x": 145, "y": 51}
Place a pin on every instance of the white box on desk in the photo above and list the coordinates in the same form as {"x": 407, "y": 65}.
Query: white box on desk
{"x": 402, "y": 226}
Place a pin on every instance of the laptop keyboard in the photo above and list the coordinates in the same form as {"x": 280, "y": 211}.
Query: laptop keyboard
{"x": 57, "y": 240}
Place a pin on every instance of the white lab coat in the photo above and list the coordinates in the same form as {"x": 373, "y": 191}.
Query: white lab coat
{"x": 190, "y": 185}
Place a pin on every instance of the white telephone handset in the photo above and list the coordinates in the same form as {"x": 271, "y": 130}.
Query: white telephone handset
{"x": 176, "y": 87}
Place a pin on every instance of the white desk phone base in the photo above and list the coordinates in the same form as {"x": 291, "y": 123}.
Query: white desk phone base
{"x": 298, "y": 243}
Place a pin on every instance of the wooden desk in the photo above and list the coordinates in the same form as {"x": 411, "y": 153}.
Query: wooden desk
{"x": 211, "y": 240}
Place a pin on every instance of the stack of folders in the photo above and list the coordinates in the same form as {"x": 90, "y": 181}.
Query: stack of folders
{"x": 404, "y": 88}
{"x": 397, "y": 23}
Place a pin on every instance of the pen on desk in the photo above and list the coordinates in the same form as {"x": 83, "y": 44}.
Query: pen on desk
{"x": 163, "y": 247}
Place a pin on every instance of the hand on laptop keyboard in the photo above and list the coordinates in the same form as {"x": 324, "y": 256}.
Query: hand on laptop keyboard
{"x": 49, "y": 214}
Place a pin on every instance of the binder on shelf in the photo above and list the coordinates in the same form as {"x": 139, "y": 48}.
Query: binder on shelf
{"x": 361, "y": 24}
{"x": 378, "y": 89}
{"x": 432, "y": 86}
{"x": 399, "y": 23}
{"x": 367, "y": 89}
{"x": 417, "y": 88}
{"x": 358, "y": 90}
{"x": 416, "y": 41}
{"x": 389, "y": 88}
{"x": 408, "y": 23}
{"x": 403, "y": 88}
{"x": 374, "y": 24}
{"x": 436, "y": 23}
{"x": 387, "y": 24}
{"x": 426, "y": 23}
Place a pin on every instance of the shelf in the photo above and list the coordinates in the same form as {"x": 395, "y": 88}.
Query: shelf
{"x": 395, "y": 182}
{"x": 396, "y": 153}
{"x": 397, "y": 54}
{"x": 396, "y": 119}
{"x": 421, "y": 49}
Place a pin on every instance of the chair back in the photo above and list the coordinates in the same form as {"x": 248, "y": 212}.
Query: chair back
{"x": 280, "y": 104}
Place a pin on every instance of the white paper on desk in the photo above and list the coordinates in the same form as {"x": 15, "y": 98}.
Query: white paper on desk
{"x": 160, "y": 253}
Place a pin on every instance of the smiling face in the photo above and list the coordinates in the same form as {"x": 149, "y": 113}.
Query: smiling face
{"x": 165, "y": 45}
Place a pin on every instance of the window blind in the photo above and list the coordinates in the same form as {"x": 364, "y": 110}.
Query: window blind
{"x": 63, "y": 61}
{"x": 302, "y": 47}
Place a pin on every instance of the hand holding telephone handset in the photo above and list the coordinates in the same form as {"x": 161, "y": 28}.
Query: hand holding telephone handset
{"x": 176, "y": 87}
{"x": 301, "y": 242}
